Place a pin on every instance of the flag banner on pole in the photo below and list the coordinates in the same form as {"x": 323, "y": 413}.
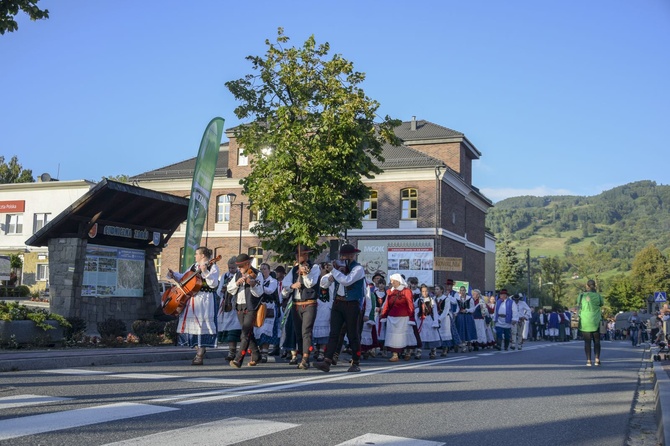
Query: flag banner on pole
{"x": 203, "y": 177}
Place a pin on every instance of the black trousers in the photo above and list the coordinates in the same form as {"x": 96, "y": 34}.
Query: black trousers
{"x": 303, "y": 322}
{"x": 345, "y": 313}
{"x": 247, "y": 339}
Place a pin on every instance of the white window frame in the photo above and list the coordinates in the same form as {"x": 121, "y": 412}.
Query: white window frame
{"x": 14, "y": 224}
{"x": 44, "y": 269}
{"x": 40, "y": 219}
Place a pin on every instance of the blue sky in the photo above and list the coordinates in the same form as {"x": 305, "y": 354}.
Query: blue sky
{"x": 561, "y": 97}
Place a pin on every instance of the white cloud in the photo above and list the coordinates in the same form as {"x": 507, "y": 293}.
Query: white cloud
{"x": 497, "y": 194}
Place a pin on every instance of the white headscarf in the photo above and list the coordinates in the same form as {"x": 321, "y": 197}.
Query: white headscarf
{"x": 400, "y": 279}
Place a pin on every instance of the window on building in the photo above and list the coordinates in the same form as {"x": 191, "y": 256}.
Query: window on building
{"x": 256, "y": 254}
{"x": 222, "y": 209}
{"x": 409, "y": 204}
{"x": 42, "y": 272}
{"x": 242, "y": 159}
{"x": 40, "y": 220}
{"x": 253, "y": 215}
{"x": 14, "y": 224}
{"x": 370, "y": 206}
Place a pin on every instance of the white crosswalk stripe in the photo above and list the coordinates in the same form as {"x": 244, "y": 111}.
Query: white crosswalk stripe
{"x": 388, "y": 440}
{"x": 226, "y": 432}
{"x": 153, "y": 376}
{"x": 12, "y": 402}
{"x": 68, "y": 419}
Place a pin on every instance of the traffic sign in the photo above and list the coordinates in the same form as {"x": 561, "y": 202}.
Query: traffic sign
{"x": 660, "y": 296}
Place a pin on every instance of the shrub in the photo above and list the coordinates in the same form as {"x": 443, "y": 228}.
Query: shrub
{"x": 170, "y": 331}
{"x": 13, "y": 311}
{"x": 77, "y": 328}
{"x": 112, "y": 328}
{"x": 148, "y": 331}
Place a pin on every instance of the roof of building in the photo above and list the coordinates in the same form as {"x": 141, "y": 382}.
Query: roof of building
{"x": 424, "y": 130}
{"x": 114, "y": 203}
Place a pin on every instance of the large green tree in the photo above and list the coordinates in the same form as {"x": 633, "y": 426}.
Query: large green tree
{"x": 552, "y": 272}
{"x": 13, "y": 172}
{"x": 509, "y": 268}
{"x": 621, "y": 296}
{"x": 10, "y": 8}
{"x": 311, "y": 138}
{"x": 650, "y": 273}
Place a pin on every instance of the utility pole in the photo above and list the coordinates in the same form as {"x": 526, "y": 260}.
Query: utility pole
{"x": 528, "y": 266}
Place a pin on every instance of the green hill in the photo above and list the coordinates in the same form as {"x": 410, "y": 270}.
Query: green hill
{"x": 620, "y": 222}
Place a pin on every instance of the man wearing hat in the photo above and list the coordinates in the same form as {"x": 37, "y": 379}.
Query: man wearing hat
{"x": 503, "y": 320}
{"x": 520, "y": 316}
{"x": 247, "y": 293}
{"x": 301, "y": 285}
{"x": 350, "y": 290}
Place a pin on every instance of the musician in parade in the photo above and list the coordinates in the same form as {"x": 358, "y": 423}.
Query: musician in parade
{"x": 247, "y": 292}
{"x": 197, "y": 326}
{"x": 229, "y": 326}
{"x": 350, "y": 290}
{"x": 265, "y": 334}
{"x": 302, "y": 283}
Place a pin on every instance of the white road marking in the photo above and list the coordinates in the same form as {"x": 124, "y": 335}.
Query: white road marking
{"x": 331, "y": 377}
{"x": 75, "y": 372}
{"x": 387, "y": 440}
{"x": 49, "y": 422}
{"x": 144, "y": 376}
{"x": 10, "y": 402}
{"x": 222, "y": 381}
{"x": 222, "y": 432}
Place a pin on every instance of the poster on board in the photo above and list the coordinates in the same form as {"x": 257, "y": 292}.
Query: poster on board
{"x": 412, "y": 258}
{"x": 110, "y": 271}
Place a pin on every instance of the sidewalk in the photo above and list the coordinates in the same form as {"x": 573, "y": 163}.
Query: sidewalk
{"x": 19, "y": 360}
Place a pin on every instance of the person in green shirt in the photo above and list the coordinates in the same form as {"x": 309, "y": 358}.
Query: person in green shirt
{"x": 590, "y": 304}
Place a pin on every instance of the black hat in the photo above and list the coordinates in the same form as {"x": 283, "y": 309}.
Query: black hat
{"x": 516, "y": 296}
{"x": 348, "y": 249}
{"x": 503, "y": 291}
{"x": 378, "y": 274}
{"x": 300, "y": 249}
{"x": 450, "y": 282}
{"x": 242, "y": 258}
{"x": 280, "y": 269}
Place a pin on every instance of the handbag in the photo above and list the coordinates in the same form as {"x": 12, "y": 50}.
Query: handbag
{"x": 261, "y": 312}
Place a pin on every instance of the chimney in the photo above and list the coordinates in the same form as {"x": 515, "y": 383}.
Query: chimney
{"x": 412, "y": 125}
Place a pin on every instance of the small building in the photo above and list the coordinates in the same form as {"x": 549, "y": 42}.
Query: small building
{"x": 102, "y": 251}
{"x": 25, "y": 208}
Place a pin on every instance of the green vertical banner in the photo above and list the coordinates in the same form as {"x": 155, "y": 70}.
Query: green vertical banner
{"x": 201, "y": 189}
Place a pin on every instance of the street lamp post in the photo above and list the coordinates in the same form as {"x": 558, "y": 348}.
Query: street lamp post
{"x": 231, "y": 199}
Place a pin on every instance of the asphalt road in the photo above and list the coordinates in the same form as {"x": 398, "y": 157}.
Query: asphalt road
{"x": 543, "y": 394}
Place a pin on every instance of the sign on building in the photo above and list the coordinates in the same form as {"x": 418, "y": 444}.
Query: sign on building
{"x": 448, "y": 264}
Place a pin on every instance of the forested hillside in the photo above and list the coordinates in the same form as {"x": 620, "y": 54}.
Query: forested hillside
{"x": 597, "y": 237}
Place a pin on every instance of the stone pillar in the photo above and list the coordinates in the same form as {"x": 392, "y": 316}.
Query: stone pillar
{"x": 66, "y": 265}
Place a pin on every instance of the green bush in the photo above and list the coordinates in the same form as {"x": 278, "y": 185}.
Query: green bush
{"x": 13, "y": 311}
{"x": 112, "y": 328}
{"x": 16, "y": 291}
{"x": 148, "y": 331}
{"x": 76, "y": 329}
{"x": 170, "y": 331}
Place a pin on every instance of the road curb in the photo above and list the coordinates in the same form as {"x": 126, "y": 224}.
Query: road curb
{"x": 662, "y": 392}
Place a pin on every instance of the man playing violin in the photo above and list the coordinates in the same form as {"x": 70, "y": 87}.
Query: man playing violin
{"x": 350, "y": 289}
{"x": 197, "y": 323}
{"x": 247, "y": 292}
{"x": 301, "y": 284}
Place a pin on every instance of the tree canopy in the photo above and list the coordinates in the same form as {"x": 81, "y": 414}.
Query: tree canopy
{"x": 10, "y": 8}
{"x": 13, "y": 172}
{"x": 311, "y": 138}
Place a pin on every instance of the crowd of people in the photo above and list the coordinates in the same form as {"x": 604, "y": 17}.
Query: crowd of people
{"x": 314, "y": 311}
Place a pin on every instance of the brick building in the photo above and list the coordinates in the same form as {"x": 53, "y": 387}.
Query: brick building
{"x": 425, "y": 217}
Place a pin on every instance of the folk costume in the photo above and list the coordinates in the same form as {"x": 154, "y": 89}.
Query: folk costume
{"x": 197, "y": 323}
{"x": 503, "y": 319}
{"x": 398, "y": 311}
{"x": 428, "y": 325}
{"x": 446, "y": 320}
{"x": 369, "y": 338}
{"x": 553, "y": 324}
{"x": 324, "y": 306}
{"x": 265, "y": 334}
{"x": 302, "y": 283}
{"x": 520, "y": 314}
{"x": 465, "y": 322}
{"x": 229, "y": 327}
{"x": 247, "y": 294}
{"x": 350, "y": 291}
{"x": 479, "y": 315}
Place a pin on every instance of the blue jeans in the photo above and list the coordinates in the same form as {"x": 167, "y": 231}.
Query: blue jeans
{"x": 500, "y": 332}
{"x": 633, "y": 336}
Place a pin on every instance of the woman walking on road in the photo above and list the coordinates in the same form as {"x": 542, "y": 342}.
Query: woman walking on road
{"x": 589, "y": 305}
